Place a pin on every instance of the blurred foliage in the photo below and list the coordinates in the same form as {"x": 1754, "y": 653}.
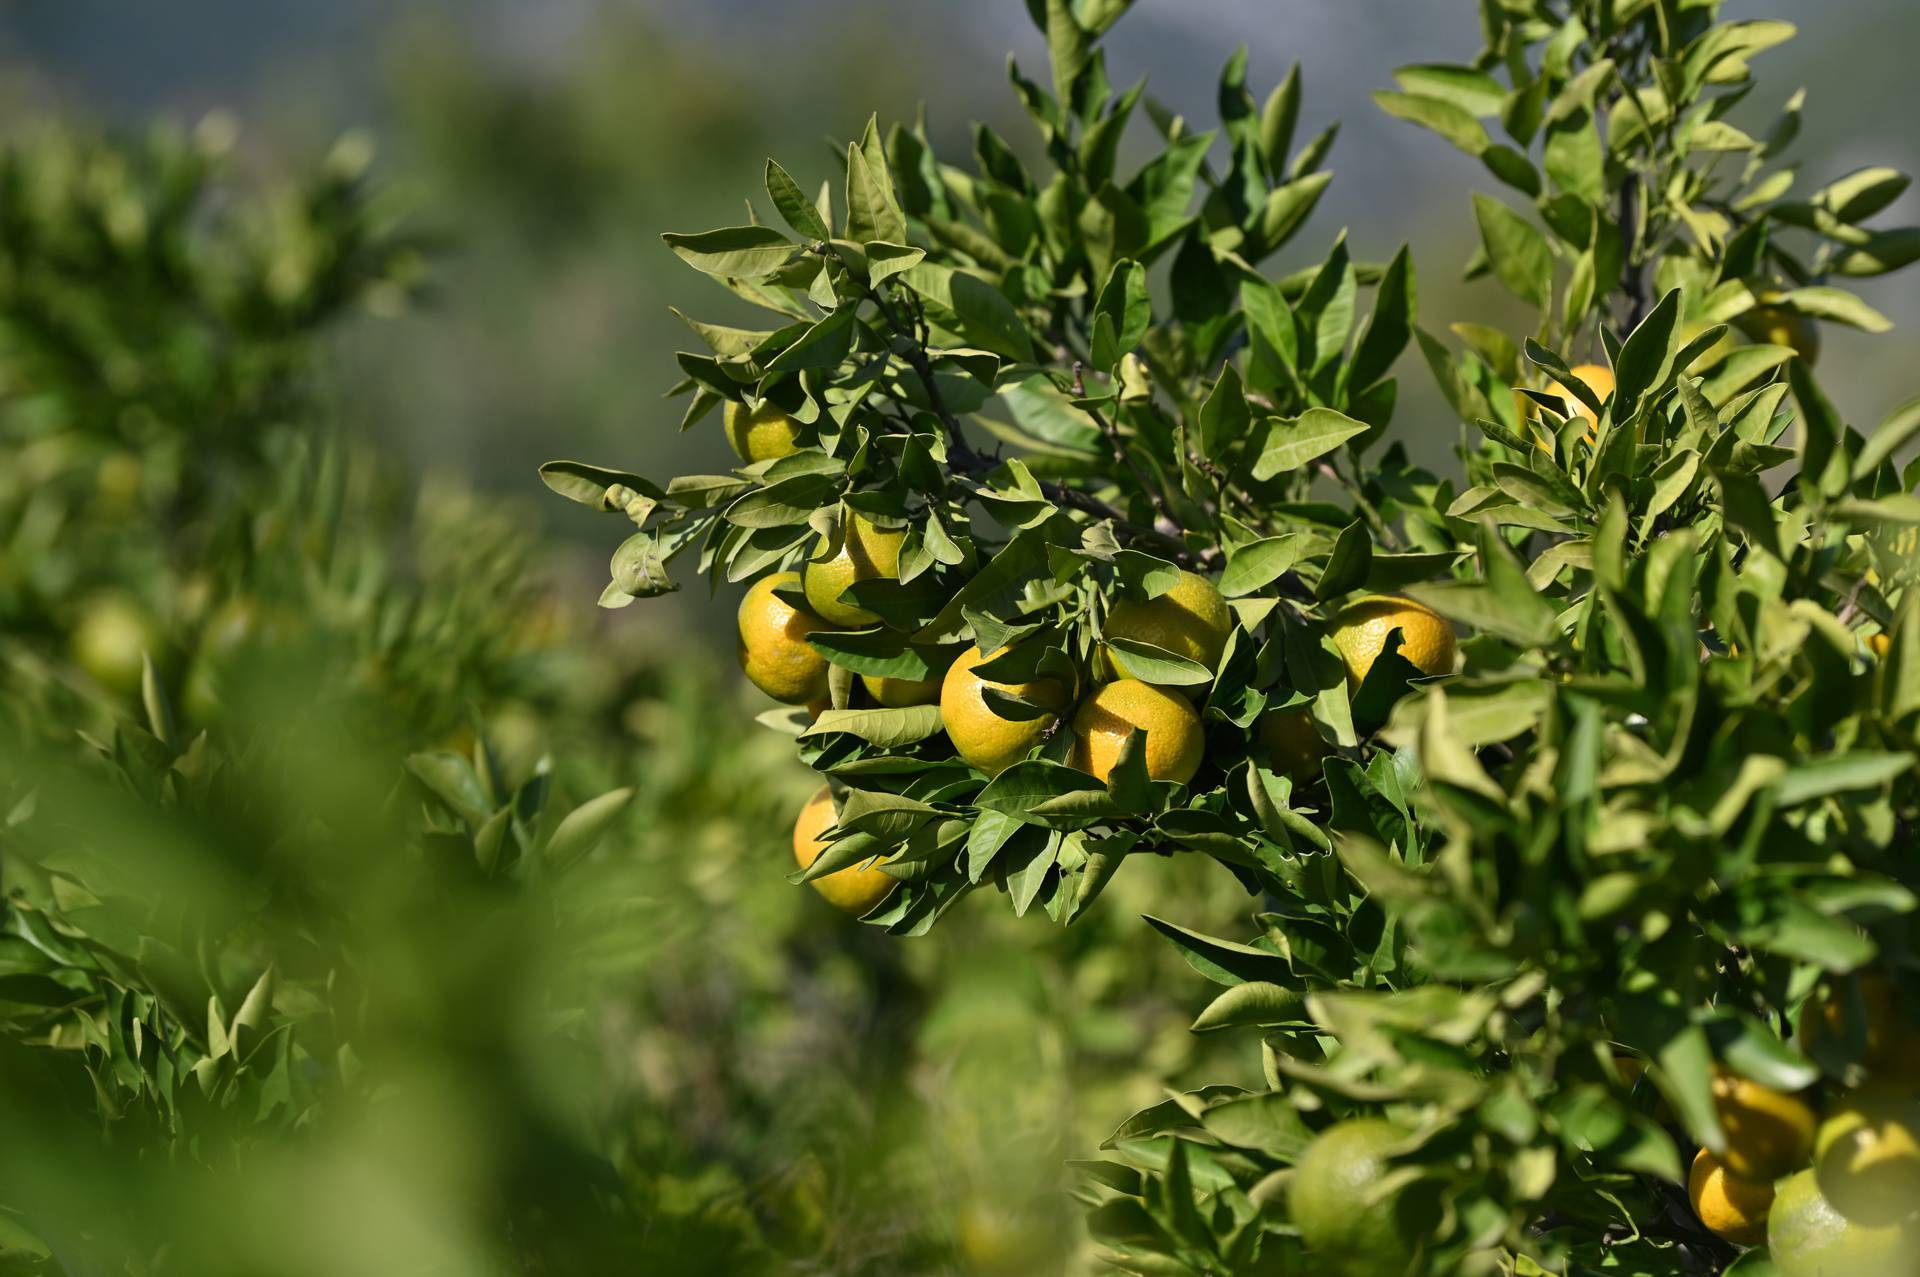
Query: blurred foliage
{"x": 367, "y": 908}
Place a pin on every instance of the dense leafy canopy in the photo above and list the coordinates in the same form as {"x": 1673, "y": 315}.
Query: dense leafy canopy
{"x": 1667, "y": 792}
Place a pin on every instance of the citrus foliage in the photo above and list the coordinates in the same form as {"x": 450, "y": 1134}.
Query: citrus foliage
{"x": 309, "y": 930}
{"x": 1004, "y": 449}
{"x": 220, "y": 646}
{"x": 1611, "y": 764}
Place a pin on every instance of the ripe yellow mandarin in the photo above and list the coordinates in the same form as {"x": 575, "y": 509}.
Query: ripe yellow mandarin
{"x": 1777, "y": 326}
{"x": 1190, "y": 620}
{"x": 1729, "y": 1206}
{"x": 1769, "y": 1133}
{"x": 866, "y": 553}
{"x": 1294, "y": 745}
{"x": 760, "y": 434}
{"x": 1596, "y": 377}
{"x": 979, "y": 735}
{"x": 773, "y": 646}
{"x": 1867, "y": 1155}
{"x": 857, "y": 888}
{"x": 1361, "y": 630}
{"x": 898, "y": 693}
{"x": 1808, "y": 1237}
{"x": 1104, "y": 721}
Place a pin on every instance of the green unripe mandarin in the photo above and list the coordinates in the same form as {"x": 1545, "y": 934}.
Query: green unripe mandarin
{"x": 1808, "y": 1237}
{"x": 111, "y": 640}
{"x": 1349, "y": 1229}
{"x": 1867, "y": 1155}
{"x": 760, "y": 434}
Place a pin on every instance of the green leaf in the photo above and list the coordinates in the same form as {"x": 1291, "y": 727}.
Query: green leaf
{"x": 1881, "y": 253}
{"x": 584, "y": 826}
{"x": 1755, "y": 1051}
{"x": 1392, "y": 323}
{"x": 451, "y": 778}
{"x": 1255, "y": 565}
{"x": 788, "y": 502}
{"x": 1822, "y": 777}
{"x": 1124, "y": 302}
{"x": 1347, "y": 566}
{"x": 1513, "y": 168}
{"x": 1450, "y": 120}
{"x": 1152, "y": 664}
{"x": 1544, "y": 490}
{"x": 1224, "y": 417}
{"x": 1720, "y": 54}
{"x": 1647, "y": 355}
{"x": 1836, "y": 304}
{"x": 885, "y": 260}
{"x": 1024, "y": 866}
{"x": 887, "y": 728}
{"x": 1223, "y": 961}
{"x": 973, "y": 307}
{"x": 1862, "y": 193}
{"x": 1482, "y": 607}
{"x": 1258, "y": 1004}
{"x": 824, "y": 345}
{"x": 793, "y": 205}
{"x": 1046, "y": 793}
{"x": 873, "y": 212}
{"x": 1480, "y": 712}
{"x": 1292, "y": 444}
{"x": 1278, "y": 119}
{"x": 1888, "y": 438}
{"x": 578, "y": 481}
{"x": 882, "y": 652}
{"x": 1473, "y": 91}
{"x": 1901, "y": 510}
{"x": 1267, "y": 1122}
{"x": 991, "y": 832}
{"x": 1068, "y": 47}
{"x": 1287, "y": 208}
{"x": 737, "y": 252}
{"x": 1518, "y": 252}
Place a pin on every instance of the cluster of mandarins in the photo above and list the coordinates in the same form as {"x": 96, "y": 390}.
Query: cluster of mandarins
{"x": 1829, "y": 1192}
{"x": 1191, "y": 620}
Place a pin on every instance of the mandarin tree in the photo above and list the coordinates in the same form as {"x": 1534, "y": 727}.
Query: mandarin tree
{"x": 1570, "y": 783}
